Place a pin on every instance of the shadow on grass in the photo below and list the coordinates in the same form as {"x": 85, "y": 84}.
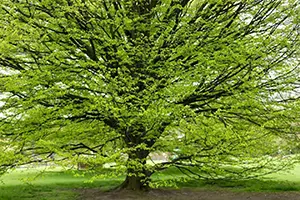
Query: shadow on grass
{"x": 51, "y": 191}
{"x": 56, "y": 185}
{"x": 29, "y": 192}
{"x": 62, "y": 185}
{"x": 254, "y": 185}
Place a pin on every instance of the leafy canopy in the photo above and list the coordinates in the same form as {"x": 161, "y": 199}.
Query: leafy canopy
{"x": 212, "y": 83}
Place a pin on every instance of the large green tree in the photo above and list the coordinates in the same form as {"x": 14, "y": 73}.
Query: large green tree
{"x": 214, "y": 84}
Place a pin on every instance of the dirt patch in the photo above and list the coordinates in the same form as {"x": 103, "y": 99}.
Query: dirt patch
{"x": 185, "y": 194}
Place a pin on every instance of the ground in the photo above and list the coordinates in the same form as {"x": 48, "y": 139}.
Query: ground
{"x": 186, "y": 194}
{"x": 59, "y": 184}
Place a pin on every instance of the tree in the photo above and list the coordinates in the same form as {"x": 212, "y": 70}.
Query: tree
{"x": 214, "y": 83}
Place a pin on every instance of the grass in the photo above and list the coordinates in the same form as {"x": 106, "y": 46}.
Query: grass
{"x": 59, "y": 185}
{"x": 62, "y": 185}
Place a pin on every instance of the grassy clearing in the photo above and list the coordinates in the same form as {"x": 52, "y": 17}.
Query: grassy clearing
{"x": 59, "y": 185}
{"x": 62, "y": 185}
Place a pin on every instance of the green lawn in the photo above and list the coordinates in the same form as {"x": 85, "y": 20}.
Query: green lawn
{"x": 48, "y": 185}
{"x": 62, "y": 185}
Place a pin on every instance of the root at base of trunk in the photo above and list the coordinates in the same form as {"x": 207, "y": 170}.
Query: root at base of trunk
{"x": 134, "y": 183}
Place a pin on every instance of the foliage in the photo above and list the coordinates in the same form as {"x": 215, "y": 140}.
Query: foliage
{"x": 214, "y": 83}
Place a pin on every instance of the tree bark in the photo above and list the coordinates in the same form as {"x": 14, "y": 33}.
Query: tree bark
{"x": 137, "y": 178}
{"x": 135, "y": 183}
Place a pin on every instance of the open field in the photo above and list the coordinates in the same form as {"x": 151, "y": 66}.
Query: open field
{"x": 61, "y": 185}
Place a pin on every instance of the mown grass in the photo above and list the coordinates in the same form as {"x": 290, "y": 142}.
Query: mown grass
{"x": 48, "y": 185}
{"x": 282, "y": 181}
{"x": 62, "y": 185}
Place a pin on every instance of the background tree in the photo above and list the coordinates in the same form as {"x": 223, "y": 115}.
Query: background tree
{"x": 214, "y": 83}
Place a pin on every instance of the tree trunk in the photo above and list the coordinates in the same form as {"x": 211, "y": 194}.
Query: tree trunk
{"x": 137, "y": 177}
{"x": 135, "y": 183}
